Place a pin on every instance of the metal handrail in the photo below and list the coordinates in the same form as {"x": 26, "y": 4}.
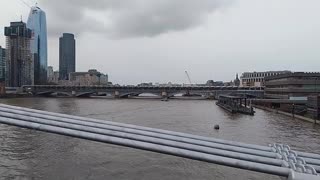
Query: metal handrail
{"x": 160, "y": 131}
{"x": 279, "y": 160}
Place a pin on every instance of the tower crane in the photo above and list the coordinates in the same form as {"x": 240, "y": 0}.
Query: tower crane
{"x": 188, "y": 78}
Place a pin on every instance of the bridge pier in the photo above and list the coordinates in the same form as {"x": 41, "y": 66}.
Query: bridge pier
{"x": 164, "y": 94}
{"x": 116, "y": 94}
{"x": 211, "y": 95}
{"x": 73, "y": 93}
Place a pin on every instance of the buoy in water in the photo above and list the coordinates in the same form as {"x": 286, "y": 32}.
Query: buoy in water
{"x": 217, "y": 127}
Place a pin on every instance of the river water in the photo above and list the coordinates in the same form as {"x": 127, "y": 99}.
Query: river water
{"x": 28, "y": 154}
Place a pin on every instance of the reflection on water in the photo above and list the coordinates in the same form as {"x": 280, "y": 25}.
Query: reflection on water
{"x": 27, "y": 154}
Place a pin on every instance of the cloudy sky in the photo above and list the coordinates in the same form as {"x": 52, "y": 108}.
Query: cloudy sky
{"x": 158, "y": 40}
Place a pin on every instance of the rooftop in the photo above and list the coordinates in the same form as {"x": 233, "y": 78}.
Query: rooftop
{"x": 287, "y": 71}
{"x": 294, "y": 74}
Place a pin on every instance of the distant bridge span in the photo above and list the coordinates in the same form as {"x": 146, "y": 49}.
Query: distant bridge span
{"x": 126, "y": 91}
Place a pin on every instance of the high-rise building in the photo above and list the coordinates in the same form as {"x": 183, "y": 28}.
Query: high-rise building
{"x": 67, "y": 55}
{"x": 37, "y": 23}
{"x": 2, "y": 71}
{"x": 2, "y": 64}
{"x": 19, "y": 63}
{"x": 50, "y": 74}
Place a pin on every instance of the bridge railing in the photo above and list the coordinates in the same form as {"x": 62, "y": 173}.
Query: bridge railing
{"x": 274, "y": 159}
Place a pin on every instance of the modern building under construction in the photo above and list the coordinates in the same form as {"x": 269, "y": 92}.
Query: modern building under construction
{"x": 2, "y": 64}
{"x": 19, "y": 63}
{"x": 2, "y": 71}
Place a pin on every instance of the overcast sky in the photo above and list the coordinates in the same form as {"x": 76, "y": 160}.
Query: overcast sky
{"x": 138, "y": 41}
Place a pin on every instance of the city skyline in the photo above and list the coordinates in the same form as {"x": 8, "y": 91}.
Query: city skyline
{"x": 208, "y": 89}
{"x": 223, "y": 40}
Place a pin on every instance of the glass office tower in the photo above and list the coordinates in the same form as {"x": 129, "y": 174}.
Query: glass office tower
{"x": 37, "y": 23}
{"x": 67, "y": 55}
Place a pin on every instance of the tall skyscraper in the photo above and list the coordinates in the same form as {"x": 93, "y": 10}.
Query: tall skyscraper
{"x": 67, "y": 55}
{"x": 2, "y": 64}
{"x": 19, "y": 60}
{"x": 37, "y": 23}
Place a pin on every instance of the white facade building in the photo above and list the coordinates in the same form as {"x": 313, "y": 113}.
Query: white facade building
{"x": 256, "y": 79}
{"x": 92, "y": 77}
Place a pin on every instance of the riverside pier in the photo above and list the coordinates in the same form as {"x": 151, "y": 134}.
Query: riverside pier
{"x": 235, "y": 104}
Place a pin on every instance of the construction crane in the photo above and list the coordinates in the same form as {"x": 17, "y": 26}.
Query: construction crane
{"x": 24, "y": 3}
{"x": 188, "y": 78}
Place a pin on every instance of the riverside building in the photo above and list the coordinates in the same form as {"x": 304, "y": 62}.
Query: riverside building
{"x": 257, "y": 79}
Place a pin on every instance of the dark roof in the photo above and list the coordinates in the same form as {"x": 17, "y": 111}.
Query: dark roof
{"x": 294, "y": 74}
{"x": 232, "y": 97}
{"x": 79, "y": 73}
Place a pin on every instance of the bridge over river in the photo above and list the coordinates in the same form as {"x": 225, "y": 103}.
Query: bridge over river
{"x": 126, "y": 91}
{"x": 276, "y": 159}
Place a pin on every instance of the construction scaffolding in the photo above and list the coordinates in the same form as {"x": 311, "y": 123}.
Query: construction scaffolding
{"x": 19, "y": 60}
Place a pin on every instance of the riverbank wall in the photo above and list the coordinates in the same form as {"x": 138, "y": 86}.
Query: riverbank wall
{"x": 295, "y": 116}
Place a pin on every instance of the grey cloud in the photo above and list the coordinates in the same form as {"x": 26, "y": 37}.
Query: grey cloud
{"x": 127, "y": 18}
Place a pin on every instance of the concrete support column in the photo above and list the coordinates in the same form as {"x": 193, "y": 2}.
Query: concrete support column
{"x": 73, "y": 93}
{"x": 211, "y": 95}
{"x": 164, "y": 94}
{"x": 117, "y": 94}
{"x": 187, "y": 93}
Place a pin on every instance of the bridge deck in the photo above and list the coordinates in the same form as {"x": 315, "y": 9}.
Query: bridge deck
{"x": 276, "y": 159}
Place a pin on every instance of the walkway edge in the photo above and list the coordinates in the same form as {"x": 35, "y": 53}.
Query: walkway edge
{"x": 288, "y": 114}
